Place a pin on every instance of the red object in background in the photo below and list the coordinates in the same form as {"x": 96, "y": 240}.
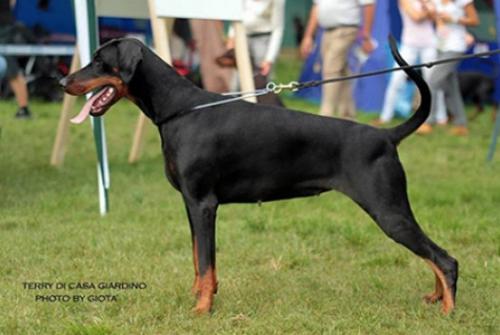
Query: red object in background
{"x": 63, "y": 68}
{"x": 181, "y": 67}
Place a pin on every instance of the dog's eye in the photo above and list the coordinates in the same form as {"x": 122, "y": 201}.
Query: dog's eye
{"x": 99, "y": 63}
{"x": 106, "y": 67}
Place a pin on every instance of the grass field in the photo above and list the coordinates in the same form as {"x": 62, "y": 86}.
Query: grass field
{"x": 314, "y": 265}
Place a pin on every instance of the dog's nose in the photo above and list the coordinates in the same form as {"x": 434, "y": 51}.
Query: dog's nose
{"x": 63, "y": 82}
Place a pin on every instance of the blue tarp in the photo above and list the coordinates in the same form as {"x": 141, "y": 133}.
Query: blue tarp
{"x": 497, "y": 83}
{"x": 369, "y": 92}
{"x": 58, "y": 18}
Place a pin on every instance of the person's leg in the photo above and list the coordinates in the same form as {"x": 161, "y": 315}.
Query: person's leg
{"x": 335, "y": 45}
{"x": 447, "y": 80}
{"x": 346, "y": 107}
{"x": 438, "y": 78}
{"x": 427, "y": 55}
{"x": 258, "y": 48}
{"x": 456, "y": 104}
{"x": 327, "y": 105}
{"x": 397, "y": 80}
{"x": 210, "y": 45}
{"x": 441, "y": 117}
{"x": 3, "y": 66}
{"x": 19, "y": 87}
{"x": 454, "y": 100}
{"x": 438, "y": 115}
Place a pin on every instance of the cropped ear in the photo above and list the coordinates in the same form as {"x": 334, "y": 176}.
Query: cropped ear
{"x": 129, "y": 56}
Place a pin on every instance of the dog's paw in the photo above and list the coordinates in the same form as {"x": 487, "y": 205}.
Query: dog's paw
{"x": 432, "y": 298}
{"x": 447, "y": 304}
{"x": 203, "y": 306}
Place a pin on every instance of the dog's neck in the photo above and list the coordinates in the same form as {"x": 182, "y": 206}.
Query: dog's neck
{"x": 159, "y": 91}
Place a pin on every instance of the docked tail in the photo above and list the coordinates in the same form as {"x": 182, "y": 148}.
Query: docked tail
{"x": 398, "y": 133}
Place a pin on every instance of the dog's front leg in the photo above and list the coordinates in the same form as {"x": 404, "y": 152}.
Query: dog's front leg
{"x": 202, "y": 215}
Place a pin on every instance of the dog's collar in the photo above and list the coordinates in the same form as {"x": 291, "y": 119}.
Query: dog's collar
{"x": 161, "y": 121}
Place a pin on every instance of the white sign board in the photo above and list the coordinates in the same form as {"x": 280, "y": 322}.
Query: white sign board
{"x": 135, "y": 9}
{"x": 230, "y": 10}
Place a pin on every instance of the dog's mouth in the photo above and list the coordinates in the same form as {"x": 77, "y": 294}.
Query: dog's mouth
{"x": 97, "y": 105}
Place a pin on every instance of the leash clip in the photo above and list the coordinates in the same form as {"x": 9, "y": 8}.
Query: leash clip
{"x": 277, "y": 88}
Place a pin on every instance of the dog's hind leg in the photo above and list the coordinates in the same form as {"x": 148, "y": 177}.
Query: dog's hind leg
{"x": 382, "y": 194}
{"x": 403, "y": 229}
{"x": 202, "y": 215}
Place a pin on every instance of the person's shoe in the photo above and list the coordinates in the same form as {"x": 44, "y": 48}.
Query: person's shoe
{"x": 424, "y": 129}
{"x": 459, "y": 131}
{"x": 23, "y": 113}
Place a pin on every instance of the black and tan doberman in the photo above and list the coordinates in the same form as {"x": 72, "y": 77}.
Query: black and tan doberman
{"x": 244, "y": 153}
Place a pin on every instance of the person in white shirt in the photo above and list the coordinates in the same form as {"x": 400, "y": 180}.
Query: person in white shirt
{"x": 264, "y": 24}
{"x": 452, "y": 17}
{"x": 341, "y": 20}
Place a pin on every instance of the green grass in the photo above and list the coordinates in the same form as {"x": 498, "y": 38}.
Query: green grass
{"x": 313, "y": 265}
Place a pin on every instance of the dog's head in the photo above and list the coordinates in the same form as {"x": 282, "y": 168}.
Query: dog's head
{"x": 109, "y": 73}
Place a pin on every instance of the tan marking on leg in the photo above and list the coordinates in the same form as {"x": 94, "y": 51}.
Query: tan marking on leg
{"x": 196, "y": 289}
{"x": 437, "y": 295}
{"x": 208, "y": 286}
{"x": 447, "y": 298}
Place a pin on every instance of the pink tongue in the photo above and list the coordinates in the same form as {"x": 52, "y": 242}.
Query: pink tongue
{"x": 84, "y": 113}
